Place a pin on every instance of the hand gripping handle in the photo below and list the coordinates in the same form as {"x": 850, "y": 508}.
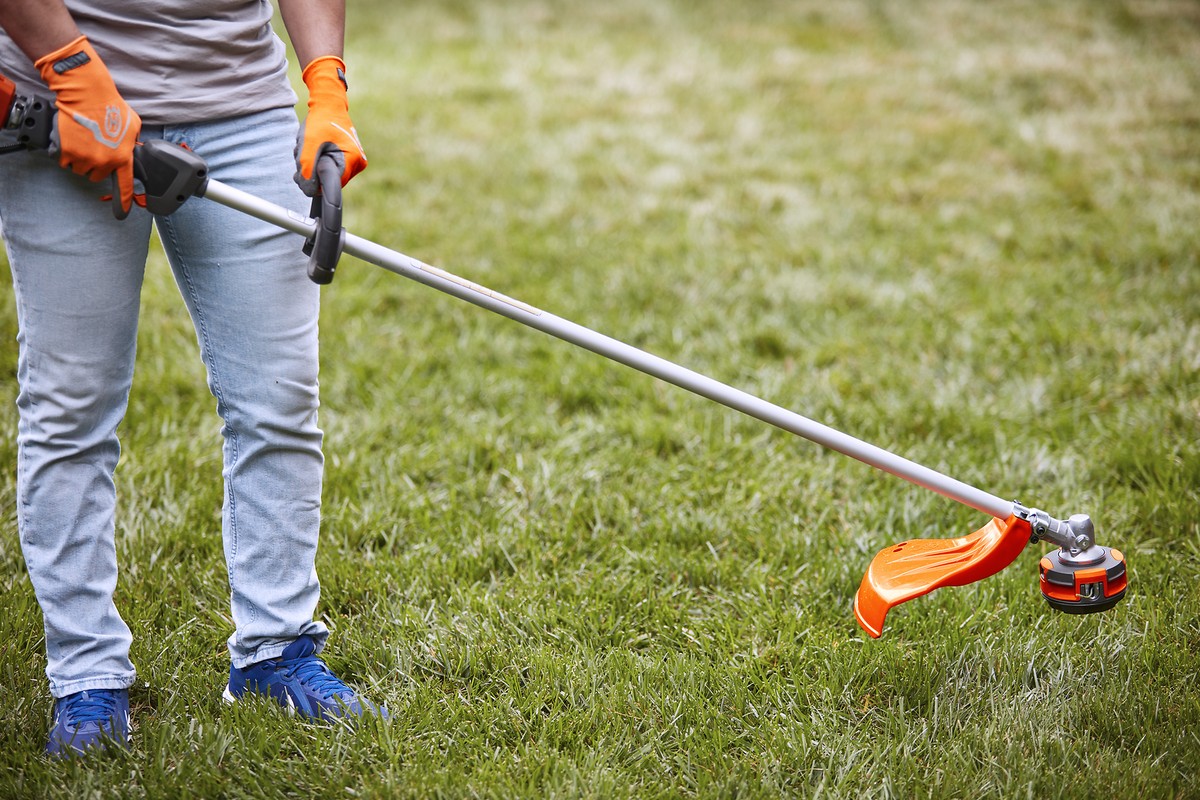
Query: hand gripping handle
{"x": 169, "y": 174}
{"x": 324, "y": 246}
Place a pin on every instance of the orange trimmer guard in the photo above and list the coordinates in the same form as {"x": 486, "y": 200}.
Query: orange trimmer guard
{"x": 916, "y": 567}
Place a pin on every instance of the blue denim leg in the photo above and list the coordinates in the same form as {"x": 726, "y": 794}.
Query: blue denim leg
{"x": 255, "y": 312}
{"x": 77, "y": 276}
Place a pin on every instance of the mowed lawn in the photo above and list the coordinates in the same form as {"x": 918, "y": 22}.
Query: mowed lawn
{"x": 967, "y": 232}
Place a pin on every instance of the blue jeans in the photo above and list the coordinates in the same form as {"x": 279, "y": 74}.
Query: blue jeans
{"x": 77, "y": 275}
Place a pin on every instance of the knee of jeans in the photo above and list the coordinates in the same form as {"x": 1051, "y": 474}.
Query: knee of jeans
{"x": 65, "y": 401}
{"x": 277, "y": 409}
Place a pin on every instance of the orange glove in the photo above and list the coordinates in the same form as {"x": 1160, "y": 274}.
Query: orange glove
{"x": 96, "y": 127}
{"x": 327, "y": 128}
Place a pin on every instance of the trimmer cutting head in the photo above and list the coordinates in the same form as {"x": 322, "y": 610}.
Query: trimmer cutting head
{"x": 1084, "y": 583}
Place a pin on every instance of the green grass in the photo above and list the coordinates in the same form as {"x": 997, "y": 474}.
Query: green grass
{"x": 963, "y": 231}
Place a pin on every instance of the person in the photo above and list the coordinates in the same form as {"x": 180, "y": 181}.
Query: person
{"x": 211, "y": 75}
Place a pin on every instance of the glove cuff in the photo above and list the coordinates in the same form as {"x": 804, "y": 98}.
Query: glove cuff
{"x": 70, "y": 56}
{"x": 325, "y": 74}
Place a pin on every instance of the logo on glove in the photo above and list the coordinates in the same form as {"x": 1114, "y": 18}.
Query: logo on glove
{"x": 113, "y": 132}
{"x": 114, "y": 125}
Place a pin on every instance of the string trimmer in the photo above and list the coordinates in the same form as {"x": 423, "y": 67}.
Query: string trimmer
{"x": 1079, "y": 577}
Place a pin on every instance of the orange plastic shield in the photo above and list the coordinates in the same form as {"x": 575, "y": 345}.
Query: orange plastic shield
{"x": 913, "y": 568}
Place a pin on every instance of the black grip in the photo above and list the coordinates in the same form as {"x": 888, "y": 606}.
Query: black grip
{"x": 324, "y": 246}
{"x": 169, "y": 174}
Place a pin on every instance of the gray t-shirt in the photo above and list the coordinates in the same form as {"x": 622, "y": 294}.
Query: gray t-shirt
{"x": 178, "y": 61}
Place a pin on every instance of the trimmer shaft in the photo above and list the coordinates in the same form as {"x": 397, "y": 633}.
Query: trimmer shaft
{"x": 1083, "y": 583}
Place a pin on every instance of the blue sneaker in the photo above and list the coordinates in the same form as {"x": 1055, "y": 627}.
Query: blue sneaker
{"x": 302, "y": 683}
{"x": 89, "y": 721}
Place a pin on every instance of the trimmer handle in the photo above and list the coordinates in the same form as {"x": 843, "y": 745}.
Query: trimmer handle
{"x": 34, "y": 119}
{"x": 324, "y": 246}
{"x": 169, "y": 175}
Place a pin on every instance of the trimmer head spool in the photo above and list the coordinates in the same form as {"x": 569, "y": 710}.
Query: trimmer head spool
{"x": 1085, "y": 582}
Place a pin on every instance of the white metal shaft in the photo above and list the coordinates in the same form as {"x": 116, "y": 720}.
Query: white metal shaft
{"x": 625, "y": 354}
